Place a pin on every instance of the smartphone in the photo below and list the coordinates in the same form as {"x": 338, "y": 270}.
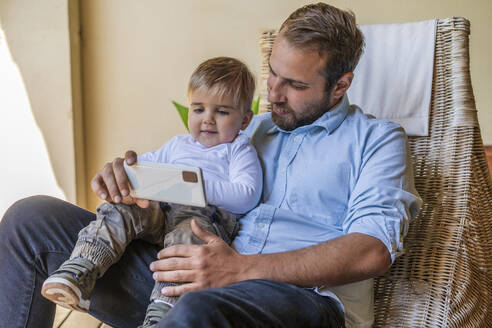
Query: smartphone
{"x": 172, "y": 183}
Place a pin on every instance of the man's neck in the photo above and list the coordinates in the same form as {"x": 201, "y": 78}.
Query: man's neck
{"x": 334, "y": 102}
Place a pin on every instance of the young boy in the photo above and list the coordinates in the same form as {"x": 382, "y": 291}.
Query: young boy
{"x": 220, "y": 92}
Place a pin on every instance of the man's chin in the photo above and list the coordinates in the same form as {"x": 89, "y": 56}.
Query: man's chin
{"x": 285, "y": 122}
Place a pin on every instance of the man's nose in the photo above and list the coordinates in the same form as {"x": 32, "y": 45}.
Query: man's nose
{"x": 276, "y": 93}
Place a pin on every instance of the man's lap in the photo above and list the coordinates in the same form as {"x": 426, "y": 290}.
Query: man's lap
{"x": 255, "y": 303}
{"x": 43, "y": 231}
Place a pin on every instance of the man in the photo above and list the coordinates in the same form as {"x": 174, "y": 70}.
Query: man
{"x": 338, "y": 195}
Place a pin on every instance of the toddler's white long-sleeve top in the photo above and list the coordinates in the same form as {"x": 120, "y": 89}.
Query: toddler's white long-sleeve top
{"x": 231, "y": 172}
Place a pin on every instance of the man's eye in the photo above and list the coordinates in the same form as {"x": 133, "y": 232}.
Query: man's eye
{"x": 299, "y": 86}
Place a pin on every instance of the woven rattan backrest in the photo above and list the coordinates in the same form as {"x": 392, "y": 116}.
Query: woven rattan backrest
{"x": 443, "y": 279}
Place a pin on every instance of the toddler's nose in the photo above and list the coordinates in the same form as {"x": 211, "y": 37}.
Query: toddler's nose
{"x": 209, "y": 119}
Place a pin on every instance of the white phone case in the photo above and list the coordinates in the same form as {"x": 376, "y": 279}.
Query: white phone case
{"x": 164, "y": 182}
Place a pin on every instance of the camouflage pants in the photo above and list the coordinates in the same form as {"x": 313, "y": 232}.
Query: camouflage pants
{"x": 104, "y": 240}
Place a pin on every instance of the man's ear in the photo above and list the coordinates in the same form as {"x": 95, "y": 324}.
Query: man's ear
{"x": 246, "y": 119}
{"x": 342, "y": 86}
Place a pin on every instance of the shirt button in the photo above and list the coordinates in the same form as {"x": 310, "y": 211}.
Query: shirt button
{"x": 282, "y": 170}
{"x": 261, "y": 225}
{"x": 297, "y": 139}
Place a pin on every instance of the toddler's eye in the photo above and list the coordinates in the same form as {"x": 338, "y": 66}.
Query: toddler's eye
{"x": 198, "y": 110}
{"x": 223, "y": 112}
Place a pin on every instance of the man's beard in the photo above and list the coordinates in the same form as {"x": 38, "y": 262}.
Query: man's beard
{"x": 308, "y": 114}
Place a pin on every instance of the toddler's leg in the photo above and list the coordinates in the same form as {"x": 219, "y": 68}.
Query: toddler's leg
{"x": 104, "y": 240}
{"x": 178, "y": 231}
{"x": 100, "y": 245}
{"x": 181, "y": 234}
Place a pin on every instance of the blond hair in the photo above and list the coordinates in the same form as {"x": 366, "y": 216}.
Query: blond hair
{"x": 225, "y": 76}
{"x": 331, "y": 31}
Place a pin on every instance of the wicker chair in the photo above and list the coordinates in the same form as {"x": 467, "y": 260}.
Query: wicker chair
{"x": 443, "y": 279}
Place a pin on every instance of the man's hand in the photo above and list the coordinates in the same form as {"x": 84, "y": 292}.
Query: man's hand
{"x": 343, "y": 260}
{"x": 211, "y": 265}
{"x": 111, "y": 183}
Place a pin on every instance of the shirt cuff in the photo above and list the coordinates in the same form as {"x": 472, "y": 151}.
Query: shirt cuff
{"x": 386, "y": 229}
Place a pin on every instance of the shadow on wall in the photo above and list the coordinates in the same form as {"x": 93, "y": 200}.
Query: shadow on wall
{"x": 26, "y": 168}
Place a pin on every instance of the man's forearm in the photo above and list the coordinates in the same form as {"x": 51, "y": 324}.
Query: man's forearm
{"x": 353, "y": 257}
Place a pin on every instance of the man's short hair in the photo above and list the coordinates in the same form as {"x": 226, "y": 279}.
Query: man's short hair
{"x": 225, "y": 76}
{"x": 329, "y": 30}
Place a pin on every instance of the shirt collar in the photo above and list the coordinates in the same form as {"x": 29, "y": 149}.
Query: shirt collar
{"x": 328, "y": 121}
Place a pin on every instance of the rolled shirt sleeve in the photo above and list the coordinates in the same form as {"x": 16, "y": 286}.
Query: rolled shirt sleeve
{"x": 384, "y": 199}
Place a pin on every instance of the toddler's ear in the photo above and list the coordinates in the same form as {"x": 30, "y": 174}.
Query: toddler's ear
{"x": 246, "y": 119}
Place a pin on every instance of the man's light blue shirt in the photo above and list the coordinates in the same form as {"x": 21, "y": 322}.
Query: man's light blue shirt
{"x": 345, "y": 173}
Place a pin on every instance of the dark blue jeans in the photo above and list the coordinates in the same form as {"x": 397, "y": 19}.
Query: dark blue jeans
{"x": 37, "y": 234}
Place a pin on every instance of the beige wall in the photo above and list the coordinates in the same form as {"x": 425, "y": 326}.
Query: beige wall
{"x": 37, "y": 37}
{"x": 138, "y": 55}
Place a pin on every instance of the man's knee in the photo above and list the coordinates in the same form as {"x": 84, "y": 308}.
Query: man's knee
{"x": 35, "y": 220}
{"x": 23, "y": 215}
{"x": 20, "y": 225}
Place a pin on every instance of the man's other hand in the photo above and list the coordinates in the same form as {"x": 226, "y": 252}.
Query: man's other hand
{"x": 111, "y": 183}
{"x": 212, "y": 265}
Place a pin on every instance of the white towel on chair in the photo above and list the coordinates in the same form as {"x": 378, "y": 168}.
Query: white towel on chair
{"x": 393, "y": 79}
